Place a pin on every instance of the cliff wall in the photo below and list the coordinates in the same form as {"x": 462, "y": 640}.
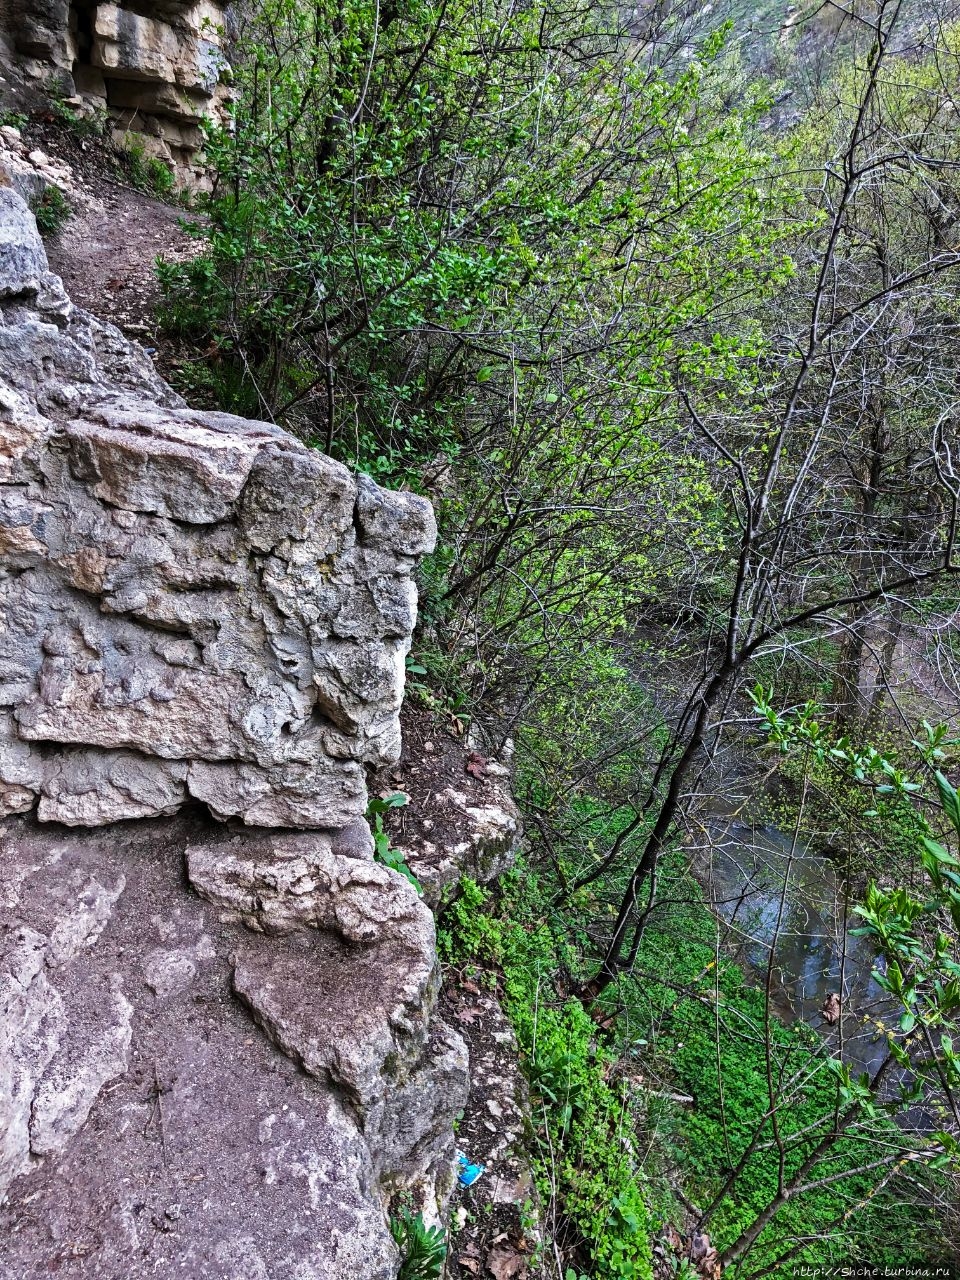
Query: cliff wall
{"x": 219, "y": 1053}
{"x": 157, "y": 70}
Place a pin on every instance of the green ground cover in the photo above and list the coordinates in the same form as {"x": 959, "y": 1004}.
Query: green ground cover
{"x": 617, "y": 1158}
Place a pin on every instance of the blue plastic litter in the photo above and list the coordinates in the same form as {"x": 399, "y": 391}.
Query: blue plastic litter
{"x": 468, "y": 1173}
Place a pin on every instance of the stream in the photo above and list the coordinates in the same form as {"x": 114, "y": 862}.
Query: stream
{"x": 744, "y": 868}
{"x": 743, "y": 865}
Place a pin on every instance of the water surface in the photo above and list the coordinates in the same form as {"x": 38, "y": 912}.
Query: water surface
{"x": 774, "y": 892}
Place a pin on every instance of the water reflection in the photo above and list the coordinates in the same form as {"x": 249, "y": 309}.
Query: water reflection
{"x": 774, "y": 892}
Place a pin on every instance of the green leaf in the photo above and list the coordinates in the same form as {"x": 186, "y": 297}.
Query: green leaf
{"x": 949, "y": 799}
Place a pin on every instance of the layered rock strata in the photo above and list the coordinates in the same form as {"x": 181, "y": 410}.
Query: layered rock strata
{"x": 195, "y": 606}
{"x": 157, "y": 69}
{"x": 219, "y": 1053}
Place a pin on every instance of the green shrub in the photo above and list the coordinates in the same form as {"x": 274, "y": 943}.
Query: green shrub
{"x": 422, "y": 1249}
{"x": 706, "y": 1031}
{"x": 147, "y": 173}
{"x": 52, "y": 209}
{"x": 91, "y": 122}
{"x": 666, "y": 1022}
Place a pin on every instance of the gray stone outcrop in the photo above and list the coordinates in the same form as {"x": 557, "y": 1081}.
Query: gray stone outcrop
{"x": 219, "y": 1051}
{"x": 195, "y": 606}
{"x": 156, "y": 69}
{"x": 181, "y": 1095}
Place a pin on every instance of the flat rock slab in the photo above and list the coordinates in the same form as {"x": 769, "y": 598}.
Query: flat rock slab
{"x": 198, "y": 1149}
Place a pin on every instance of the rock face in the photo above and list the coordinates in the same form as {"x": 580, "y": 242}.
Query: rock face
{"x": 195, "y": 606}
{"x": 153, "y": 1123}
{"x": 157, "y": 69}
{"x": 219, "y": 1054}
{"x": 487, "y": 839}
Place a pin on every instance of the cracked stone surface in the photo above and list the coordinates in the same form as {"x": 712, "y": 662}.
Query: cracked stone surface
{"x": 157, "y": 70}
{"x": 152, "y": 1126}
{"x": 194, "y": 606}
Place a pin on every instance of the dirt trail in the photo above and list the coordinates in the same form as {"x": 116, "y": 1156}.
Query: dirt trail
{"x": 106, "y": 254}
{"x": 107, "y": 249}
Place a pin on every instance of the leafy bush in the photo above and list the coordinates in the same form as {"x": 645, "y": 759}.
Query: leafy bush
{"x": 491, "y": 233}
{"x": 147, "y": 173}
{"x": 697, "y": 1027}
{"x": 89, "y": 122}
{"x": 52, "y": 210}
{"x": 706, "y": 1028}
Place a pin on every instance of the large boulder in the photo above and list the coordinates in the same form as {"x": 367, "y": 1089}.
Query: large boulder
{"x": 194, "y": 606}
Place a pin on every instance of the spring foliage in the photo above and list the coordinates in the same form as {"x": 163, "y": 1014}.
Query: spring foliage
{"x": 680, "y": 377}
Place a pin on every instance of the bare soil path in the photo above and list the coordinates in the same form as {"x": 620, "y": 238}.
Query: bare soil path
{"x": 107, "y": 250}
{"x": 106, "y": 254}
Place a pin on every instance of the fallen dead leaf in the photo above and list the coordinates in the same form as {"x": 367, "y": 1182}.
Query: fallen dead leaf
{"x": 505, "y": 1263}
{"x": 476, "y": 765}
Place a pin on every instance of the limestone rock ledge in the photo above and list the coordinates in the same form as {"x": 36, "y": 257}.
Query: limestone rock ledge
{"x": 155, "y": 68}
{"x": 148, "y": 1126}
{"x": 194, "y": 606}
{"x": 219, "y": 1053}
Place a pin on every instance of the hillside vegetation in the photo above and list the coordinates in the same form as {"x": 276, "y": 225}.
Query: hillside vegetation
{"x": 662, "y": 313}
